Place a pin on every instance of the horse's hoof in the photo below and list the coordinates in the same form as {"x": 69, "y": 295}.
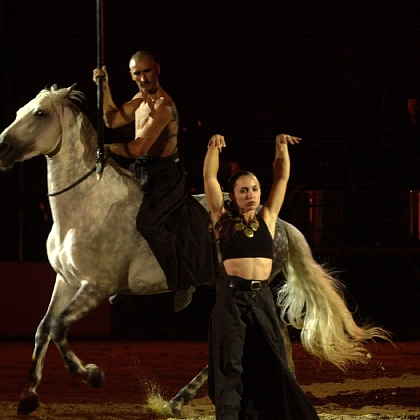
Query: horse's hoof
{"x": 95, "y": 377}
{"x": 173, "y": 408}
{"x": 28, "y": 404}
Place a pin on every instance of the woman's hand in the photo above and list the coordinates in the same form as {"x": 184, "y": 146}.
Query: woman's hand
{"x": 285, "y": 139}
{"x": 217, "y": 141}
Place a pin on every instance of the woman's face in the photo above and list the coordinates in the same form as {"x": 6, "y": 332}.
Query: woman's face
{"x": 247, "y": 193}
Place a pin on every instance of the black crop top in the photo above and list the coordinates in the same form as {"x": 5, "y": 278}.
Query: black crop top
{"x": 239, "y": 246}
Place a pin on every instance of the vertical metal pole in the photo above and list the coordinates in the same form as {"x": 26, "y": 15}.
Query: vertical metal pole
{"x": 99, "y": 93}
{"x": 21, "y": 214}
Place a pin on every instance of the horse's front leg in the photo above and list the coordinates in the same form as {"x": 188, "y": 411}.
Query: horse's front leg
{"x": 29, "y": 400}
{"x": 66, "y": 308}
{"x": 88, "y": 297}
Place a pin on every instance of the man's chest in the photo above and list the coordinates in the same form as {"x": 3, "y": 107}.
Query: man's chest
{"x": 142, "y": 115}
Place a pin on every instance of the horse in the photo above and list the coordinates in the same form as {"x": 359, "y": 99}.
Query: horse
{"x": 97, "y": 252}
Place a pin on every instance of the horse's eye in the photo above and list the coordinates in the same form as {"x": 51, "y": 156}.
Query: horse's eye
{"x": 40, "y": 113}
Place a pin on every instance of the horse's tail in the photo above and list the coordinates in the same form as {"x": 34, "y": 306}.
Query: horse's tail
{"x": 311, "y": 300}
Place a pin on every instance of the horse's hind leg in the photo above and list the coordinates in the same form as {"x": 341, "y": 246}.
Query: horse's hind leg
{"x": 186, "y": 394}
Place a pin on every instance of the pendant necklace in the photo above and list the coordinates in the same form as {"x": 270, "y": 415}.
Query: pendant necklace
{"x": 248, "y": 229}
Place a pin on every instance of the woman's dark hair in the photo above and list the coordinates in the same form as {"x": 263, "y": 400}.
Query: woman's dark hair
{"x": 225, "y": 226}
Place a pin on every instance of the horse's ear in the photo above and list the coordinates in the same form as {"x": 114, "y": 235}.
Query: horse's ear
{"x": 70, "y": 89}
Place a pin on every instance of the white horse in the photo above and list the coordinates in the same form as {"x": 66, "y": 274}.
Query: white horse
{"x": 97, "y": 252}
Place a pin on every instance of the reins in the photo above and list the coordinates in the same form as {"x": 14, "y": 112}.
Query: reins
{"x": 74, "y": 184}
{"x": 54, "y": 152}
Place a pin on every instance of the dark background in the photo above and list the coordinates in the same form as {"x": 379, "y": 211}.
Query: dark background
{"x": 336, "y": 73}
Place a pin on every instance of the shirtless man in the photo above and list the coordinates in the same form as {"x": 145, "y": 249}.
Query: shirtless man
{"x": 152, "y": 109}
{"x": 168, "y": 213}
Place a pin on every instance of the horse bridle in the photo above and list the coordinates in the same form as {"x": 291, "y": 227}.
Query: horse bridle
{"x": 74, "y": 183}
{"x": 53, "y": 153}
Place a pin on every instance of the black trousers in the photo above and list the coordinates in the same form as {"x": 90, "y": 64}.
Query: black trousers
{"x": 248, "y": 373}
{"x": 176, "y": 226}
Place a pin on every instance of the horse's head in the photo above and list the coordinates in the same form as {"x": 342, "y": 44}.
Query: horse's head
{"x": 36, "y": 129}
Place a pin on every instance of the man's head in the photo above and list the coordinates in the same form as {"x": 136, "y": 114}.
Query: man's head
{"x": 145, "y": 71}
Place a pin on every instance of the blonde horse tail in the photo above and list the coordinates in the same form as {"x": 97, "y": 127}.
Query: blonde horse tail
{"x": 311, "y": 300}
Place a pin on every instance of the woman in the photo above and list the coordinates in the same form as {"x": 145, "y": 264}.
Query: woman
{"x": 248, "y": 373}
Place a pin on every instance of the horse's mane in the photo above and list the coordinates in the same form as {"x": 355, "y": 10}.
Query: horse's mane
{"x": 75, "y": 97}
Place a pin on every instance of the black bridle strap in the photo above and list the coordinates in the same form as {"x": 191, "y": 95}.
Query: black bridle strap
{"x": 74, "y": 184}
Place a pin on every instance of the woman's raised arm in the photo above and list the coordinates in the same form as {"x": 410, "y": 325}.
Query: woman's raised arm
{"x": 281, "y": 173}
{"x": 212, "y": 187}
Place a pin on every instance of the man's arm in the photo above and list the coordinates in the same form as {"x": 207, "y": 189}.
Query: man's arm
{"x": 115, "y": 117}
{"x": 160, "y": 116}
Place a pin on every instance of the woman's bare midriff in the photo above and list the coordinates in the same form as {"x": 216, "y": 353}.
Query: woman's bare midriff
{"x": 249, "y": 268}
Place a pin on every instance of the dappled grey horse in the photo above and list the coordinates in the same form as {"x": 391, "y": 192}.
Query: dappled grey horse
{"x": 97, "y": 252}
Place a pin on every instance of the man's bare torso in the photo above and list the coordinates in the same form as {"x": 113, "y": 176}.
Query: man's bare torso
{"x": 167, "y": 141}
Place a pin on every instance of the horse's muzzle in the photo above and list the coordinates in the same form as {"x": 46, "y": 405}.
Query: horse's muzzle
{"x": 7, "y": 156}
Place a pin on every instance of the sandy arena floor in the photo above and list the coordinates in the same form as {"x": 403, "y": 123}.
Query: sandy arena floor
{"x": 387, "y": 386}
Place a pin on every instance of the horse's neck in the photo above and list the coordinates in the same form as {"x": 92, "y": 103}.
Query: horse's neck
{"x": 77, "y": 154}
{"x": 89, "y": 203}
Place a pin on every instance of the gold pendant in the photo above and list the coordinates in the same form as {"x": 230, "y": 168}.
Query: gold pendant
{"x": 239, "y": 226}
{"x": 248, "y": 229}
{"x": 248, "y": 232}
{"x": 254, "y": 225}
